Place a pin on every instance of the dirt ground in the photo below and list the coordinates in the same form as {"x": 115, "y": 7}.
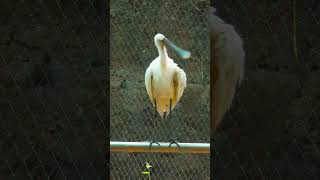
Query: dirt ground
{"x": 272, "y": 130}
{"x": 53, "y": 102}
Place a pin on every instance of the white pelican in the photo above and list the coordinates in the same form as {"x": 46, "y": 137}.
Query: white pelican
{"x": 227, "y": 66}
{"x": 164, "y": 80}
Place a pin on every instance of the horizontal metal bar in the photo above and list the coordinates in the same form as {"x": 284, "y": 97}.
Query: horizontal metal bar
{"x": 117, "y": 146}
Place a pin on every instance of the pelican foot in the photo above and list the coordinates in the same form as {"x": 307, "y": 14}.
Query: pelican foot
{"x": 153, "y": 142}
{"x": 174, "y": 142}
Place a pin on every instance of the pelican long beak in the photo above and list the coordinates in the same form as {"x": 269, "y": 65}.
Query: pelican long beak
{"x": 181, "y": 52}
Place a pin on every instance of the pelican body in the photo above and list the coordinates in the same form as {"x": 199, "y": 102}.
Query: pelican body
{"x": 227, "y": 66}
{"x": 164, "y": 80}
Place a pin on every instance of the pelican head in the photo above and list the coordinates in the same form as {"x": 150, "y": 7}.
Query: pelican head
{"x": 159, "y": 37}
{"x": 160, "y": 40}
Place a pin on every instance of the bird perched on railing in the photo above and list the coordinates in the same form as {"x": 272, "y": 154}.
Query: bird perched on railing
{"x": 164, "y": 80}
{"x": 226, "y": 66}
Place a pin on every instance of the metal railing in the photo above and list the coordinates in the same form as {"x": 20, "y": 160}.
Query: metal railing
{"x": 116, "y": 146}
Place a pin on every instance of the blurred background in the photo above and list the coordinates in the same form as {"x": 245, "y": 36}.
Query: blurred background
{"x": 53, "y": 82}
{"x": 272, "y": 129}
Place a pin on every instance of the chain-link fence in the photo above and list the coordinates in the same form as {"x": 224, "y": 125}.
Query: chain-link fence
{"x": 133, "y": 27}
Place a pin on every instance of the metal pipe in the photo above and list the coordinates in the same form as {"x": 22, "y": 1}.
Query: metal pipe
{"x": 128, "y": 147}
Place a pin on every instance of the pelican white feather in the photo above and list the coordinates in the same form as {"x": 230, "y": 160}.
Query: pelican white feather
{"x": 164, "y": 80}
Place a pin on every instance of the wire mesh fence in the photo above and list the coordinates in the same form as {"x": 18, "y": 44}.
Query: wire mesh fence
{"x": 133, "y": 26}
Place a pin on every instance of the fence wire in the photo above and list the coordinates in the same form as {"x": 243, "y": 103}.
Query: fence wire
{"x": 133, "y": 26}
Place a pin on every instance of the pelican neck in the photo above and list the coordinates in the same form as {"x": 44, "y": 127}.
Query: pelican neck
{"x": 163, "y": 55}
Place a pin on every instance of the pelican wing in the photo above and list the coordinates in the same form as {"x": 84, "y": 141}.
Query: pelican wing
{"x": 179, "y": 84}
{"x": 148, "y": 81}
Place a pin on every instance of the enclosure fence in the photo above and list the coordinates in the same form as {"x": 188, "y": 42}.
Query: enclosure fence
{"x": 133, "y": 26}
